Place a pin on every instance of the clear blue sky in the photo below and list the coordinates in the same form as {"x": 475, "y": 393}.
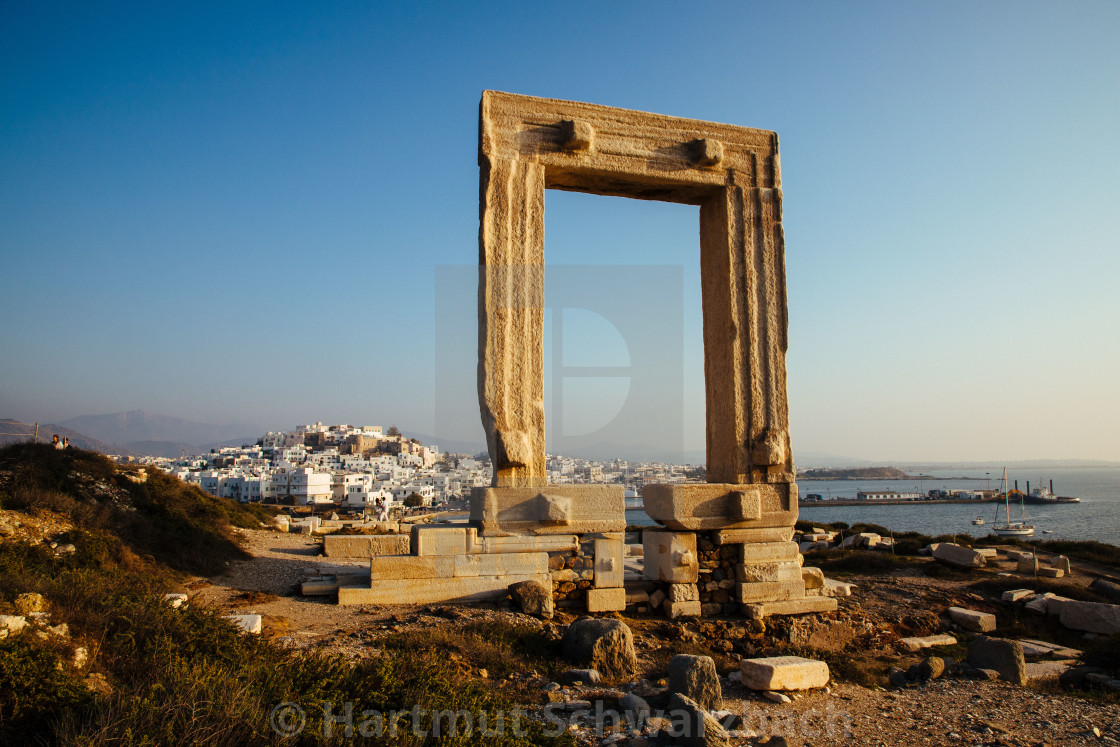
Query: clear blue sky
{"x": 235, "y": 211}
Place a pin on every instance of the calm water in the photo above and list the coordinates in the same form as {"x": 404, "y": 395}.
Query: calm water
{"x": 1097, "y": 517}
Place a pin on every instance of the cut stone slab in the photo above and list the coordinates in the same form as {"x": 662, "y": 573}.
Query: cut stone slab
{"x": 428, "y": 539}
{"x": 918, "y": 643}
{"x": 247, "y": 623}
{"x": 365, "y": 545}
{"x": 1003, "y": 655}
{"x": 670, "y": 556}
{"x": 1032, "y": 647}
{"x": 768, "y": 592}
{"x": 606, "y": 600}
{"x": 1047, "y": 670}
{"x": 1091, "y": 617}
{"x": 987, "y": 552}
{"x": 979, "y": 622}
{"x": 744, "y": 536}
{"x": 551, "y": 509}
{"x": 413, "y": 567}
{"x": 525, "y": 543}
{"x": 834, "y": 588}
{"x": 960, "y": 557}
{"x": 1016, "y": 595}
{"x": 1062, "y": 563}
{"x": 436, "y": 590}
{"x": 609, "y": 568}
{"x": 1044, "y": 572}
{"x": 602, "y": 644}
{"x": 704, "y": 506}
{"x": 783, "y": 673}
{"x": 770, "y": 552}
{"x": 806, "y": 606}
{"x": 684, "y": 593}
{"x": 774, "y": 572}
{"x": 696, "y": 677}
{"x": 673, "y": 610}
{"x": 656, "y": 598}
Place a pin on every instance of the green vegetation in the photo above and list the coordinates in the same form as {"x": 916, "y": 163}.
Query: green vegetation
{"x": 160, "y": 676}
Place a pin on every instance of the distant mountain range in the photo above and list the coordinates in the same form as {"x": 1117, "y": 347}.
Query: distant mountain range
{"x": 137, "y": 433}
{"x": 13, "y": 430}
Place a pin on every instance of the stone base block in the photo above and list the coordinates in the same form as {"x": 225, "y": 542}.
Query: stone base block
{"x": 431, "y": 539}
{"x": 606, "y": 600}
{"x": 670, "y": 556}
{"x": 609, "y": 568}
{"x": 783, "y": 673}
{"x": 777, "y": 591}
{"x": 693, "y": 507}
{"x": 1044, "y": 572}
{"x": 673, "y": 610}
{"x": 770, "y": 552}
{"x": 753, "y": 573}
{"x": 525, "y": 543}
{"x": 746, "y": 536}
{"x": 552, "y": 509}
{"x": 806, "y": 606}
{"x": 365, "y": 546}
{"x": 434, "y": 591}
{"x": 684, "y": 593}
{"x": 413, "y": 567}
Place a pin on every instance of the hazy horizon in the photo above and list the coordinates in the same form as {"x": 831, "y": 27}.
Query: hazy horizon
{"x": 237, "y": 214}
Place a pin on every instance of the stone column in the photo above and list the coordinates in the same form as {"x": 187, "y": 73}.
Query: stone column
{"x": 511, "y": 319}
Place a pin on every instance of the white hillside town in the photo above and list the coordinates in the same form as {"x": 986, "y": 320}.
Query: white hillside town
{"x": 355, "y": 468}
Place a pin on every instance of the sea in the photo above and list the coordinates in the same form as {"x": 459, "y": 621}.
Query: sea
{"x": 1096, "y": 517}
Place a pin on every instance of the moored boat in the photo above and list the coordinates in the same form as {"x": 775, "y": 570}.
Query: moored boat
{"x": 1011, "y": 528}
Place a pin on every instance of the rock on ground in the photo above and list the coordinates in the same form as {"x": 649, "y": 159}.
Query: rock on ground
{"x": 1003, "y": 655}
{"x": 532, "y": 598}
{"x": 693, "y": 726}
{"x": 602, "y": 644}
{"x": 696, "y": 677}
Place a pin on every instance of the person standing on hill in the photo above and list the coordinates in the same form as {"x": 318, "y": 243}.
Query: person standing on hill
{"x": 56, "y": 443}
{"x": 65, "y": 443}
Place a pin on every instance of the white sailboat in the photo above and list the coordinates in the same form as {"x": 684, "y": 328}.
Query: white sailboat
{"x": 1011, "y": 528}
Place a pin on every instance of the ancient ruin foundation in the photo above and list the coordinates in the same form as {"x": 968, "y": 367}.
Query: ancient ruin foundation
{"x": 726, "y": 545}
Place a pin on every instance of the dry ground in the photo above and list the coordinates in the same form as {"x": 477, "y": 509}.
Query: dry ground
{"x": 860, "y": 638}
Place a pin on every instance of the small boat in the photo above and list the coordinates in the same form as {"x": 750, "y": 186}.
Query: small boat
{"x": 1047, "y": 531}
{"x": 978, "y": 521}
{"x": 1011, "y": 528}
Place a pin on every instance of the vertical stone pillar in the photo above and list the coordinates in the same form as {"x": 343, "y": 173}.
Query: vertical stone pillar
{"x": 511, "y": 319}
{"x": 742, "y": 273}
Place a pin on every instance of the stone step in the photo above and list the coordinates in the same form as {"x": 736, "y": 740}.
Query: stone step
{"x": 806, "y": 606}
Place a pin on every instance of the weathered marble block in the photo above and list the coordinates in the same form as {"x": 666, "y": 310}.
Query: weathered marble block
{"x": 552, "y": 509}
{"x": 670, "y": 556}
{"x": 701, "y": 506}
{"x": 609, "y": 567}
